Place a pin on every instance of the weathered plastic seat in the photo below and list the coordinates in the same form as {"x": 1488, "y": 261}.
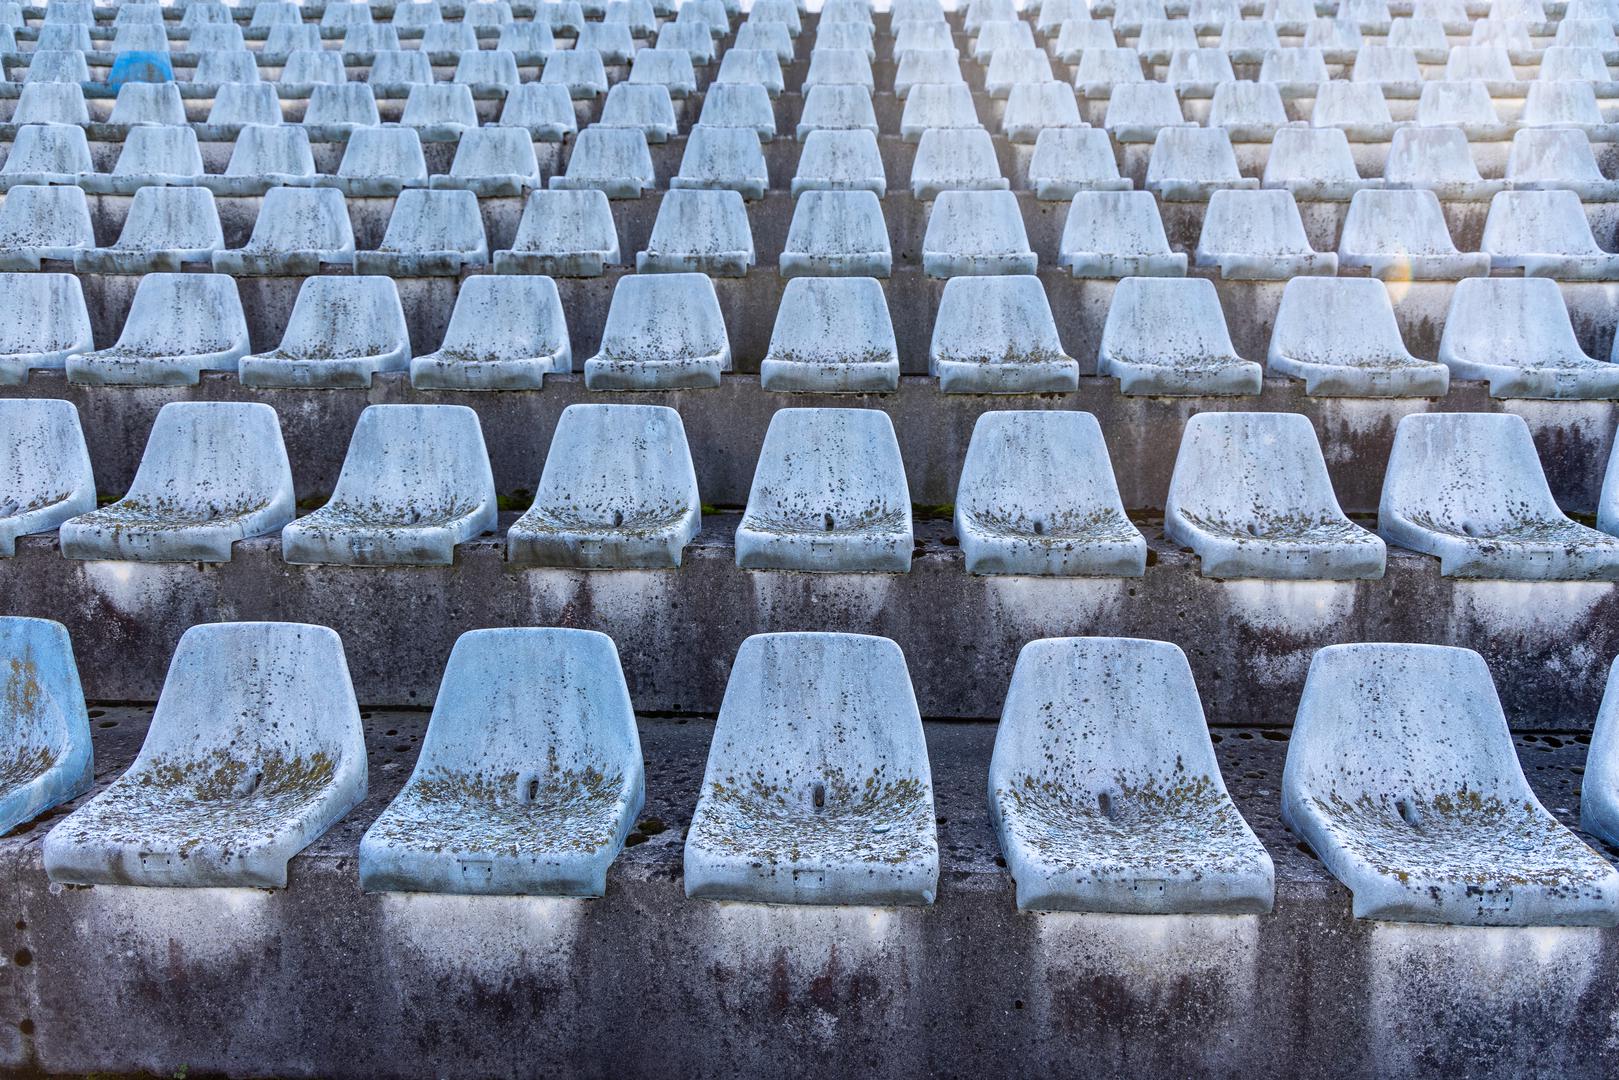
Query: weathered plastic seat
{"x": 1258, "y": 236}
{"x": 1160, "y": 39}
{"x": 1129, "y": 16}
{"x": 528, "y": 42}
{"x": 817, "y": 788}
{"x": 57, "y": 65}
{"x": 1557, "y": 158}
{"x": 1102, "y": 70}
{"x": 927, "y": 67}
{"x": 297, "y": 232}
{"x": 699, "y": 232}
{"x": 179, "y": 326}
{"x": 720, "y": 158}
{"x": 1339, "y": 40}
{"x": 1196, "y": 72}
{"x": 308, "y": 68}
{"x": 1188, "y": 164}
{"x": 611, "y": 41}
{"x": 338, "y": 110}
{"x": 1424, "y": 38}
{"x": 1565, "y": 105}
{"x": 237, "y": 105}
{"x": 45, "y": 322}
{"x": 1401, "y": 235}
{"x": 663, "y": 332}
{"x": 1105, "y": 791}
{"x": 487, "y": 71}
{"x": 1599, "y": 789}
{"x": 1295, "y": 72}
{"x": 1070, "y": 160}
{"x": 150, "y": 155}
{"x": 265, "y": 155}
{"x": 565, "y": 16}
{"x": 566, "y": 233}
{"x": 1340, "y": 336}
{"x": 42, "y": 716}
{"x": 937, "y": 106}
{"x": 54, "y": 49}
{"x": 342, "y": 331}
{"x": 223, "y": 62}
{"x": 1012, "y": 66}
{"x": 415, "y": 483}
{"x": 1592, "y": 30}
{"x": 741, "y": 105}
{"x": 1037, "y": 496}
{"x": 39, "y": 222}
{"x": 444, "y": 43}
{"x": 839, "y": 67}
{"x": 1439, "y": 160}
{"x": 996, "y": 335}
{"x": 1117, "y": 234}
{"x": 855, "y": 37}
{"x": 442, "y": 111}
{"x": 1465, "y": 106}
{"x": 285, "y": 39}
{"x": 507, "y": 332}
{"x": 1080, "y": 35}
{"x": 1402, "y": 777}
{"x": 1468, "y": 489}
{"x": 362, "y": 41}
{"x": 1032, "y": 108}
{"x": 148, "y": 103}
{"x": 1137, "y": 112}
{"x": 1357, "y": 109}
{"x": 379, "y": 162}
{"x": 1251, "y": 495}
{"x": 254, "y": 750}
{"x": 397, "y": 72}
{"x": 614, "y": 160}
{"x": 429, "y": 233}
{"x": 1249, "y": 42}
{"x": 976, "y": 232}
{"x": 46, "y": 154}
{"x": 829, "y": 494}
{"x": 1489, "y": 64}
{"x": 832, "y": 335}
{"x": 999, "y": 34}
{"x": 1516, "y": 333}
{"x": 213, "y": 472}
{"x": 1545, "y": 234}
{"x": 50, "y": 103}
{"x": 166, "y": 228}
{"x": 529, "y": 777}
{"x": 45, "y": 467}
{"x": 839, "y": 233}
{"x": 493, "y": 162}
{"x": 1313, "y": 164}
{"x": 618, "y": 491}
{"x": 960, "y": 159}
{"x": 1167, "y": 336}
{"x": 840, "y": 161}
{"x": 1392, "y": 68}
{"x": 644, "y": 108}
{"x": 1568, "y": 63}
{"x": 1248, "y": 111}
{"x": 692, "y": 38}
{"x": 772, "y": 38}
{"x": 979, "y": 13}
{"x": 752, "y": 66}
{"x": 544, "y": 111}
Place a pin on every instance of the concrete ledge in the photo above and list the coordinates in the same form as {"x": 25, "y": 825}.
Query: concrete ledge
{"x": 726, "y": 426}
{"x": 322, "y": 979}
{"x": 1249, "y": 642}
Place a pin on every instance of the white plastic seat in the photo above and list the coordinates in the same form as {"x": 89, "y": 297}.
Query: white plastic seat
{"x": 39, "y": 222}
{"x": 1516, "y": 333}
{"x": 1439, "y": 160}
{"x": 1402, "y": 235}
{"x": 1137, "y": 112}
{"x": 493, "y": 162}
{"x": 837, "y": 233}
{"x": 566, "y": 233}
{"x": 1340, "y": 336}
{"x": 151, "y": 155}
{"x": 1463, "y": 105}
{"x": 46, "y": 154}
{"x": 659, "y": 67}
{"x": 615, "y": 161}
{"x": 703, "y": 232}
{"x": 996, "y": 335}
{"x": 840, "y": 161}
{"x": 719, "y": 158}
{"x": 1117, "y": 234}
{"x": 1314, "y": 164}
{"x": 1190, "y": 164}
{"x": 342, "y": 331}
{"x": 832, "y": 109}
{"x": 45, "y": 323}
{"x": 298, "y": 231}
{"x": 1545, "y": 234}
{"x": 960, "y": 159}
{"x": 507, "y": 332}
{"x": 1258, "y": 236}
{"x": 1167, "y": 336}
{"x": 663, "y": 331}
{"x": 1557, "y": 159}
{"x": 743, "y": 105}
{"x": 831, "y": 335}
{"x": 1067, "y": 161}
{"x": 942, "y": 106}
{"x": 165, "y": 229}
{"x": 379, "y": 162}
{"x": 265, "y": 155}
{"x": 1359, "y": 110}
{"x": 976, "y": 232}
{"x": 430, "y": 233}
{"x": 179, "y": 326}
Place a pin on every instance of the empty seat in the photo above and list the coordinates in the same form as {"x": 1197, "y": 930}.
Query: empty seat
{"x": 265, "y": 155}
{"x": 42, "y": 717}
{"x": 239, "y": 104}
{"x": 342, "y": 331}
{"x": 1557, "y": 158}
{"x": 1402, "y": 777}
{"x": 976, "y": 232}
{"x": 692, "y": 38}
{"x": 148, "y": 103}
{"x": 832, "y": 335}
{"x": 308, "y": 68}
{"x": 544, "y": 111}
{"x": 832, "y": 108}
{"x": 1485, "y": 63}
{"x": 961, "y": 159}
{"x": 1565, "y": 104}
{"x": 699, "y": 231}
{"x": 50, "y": 103}
{"x": 507, "y": 332}
{"x": 1294, "y": 72}
{"x": 773, "y": 38}
{"x": 45, "y": 468}
{"x": 1167, "y": 336}
{"x": 297, "y": 232}
{"x": 379, "y": 162}
{"x": 57, "y": 65}
{"x": 996, "y": 335}
{"x": 998, "y": 34}
{"x": 443, "y": 43}
{"x": 415, "y": 483}
{"x": 1439, "y": 160}
{"x": 718, "y": 158}
{"x": 1339, "y": 335}
{"x": 1137, "y": 112}
{"x": 1117, "y": 234}
{"x": 528, "y": 42}
{"x": 254, "y": 750}
{"x": 493, "y": 161}
{"x": 927, "y": 67}
{"x": 1599, "y": 788}
{"x": 1468, "y": 489}
{"x": 1251, "y": 495}
{"x": 1196, "y": 72}
{"x": 618, "y": 491}
{"x": 1516, "y": 333}
{"x": 46, "y": 154}
{"x": 529, "y": 777}
{"x": 1249, "y": 42}
{"x": 1313, "y": 164}
{"x": 339, "y": 110}
{"x": 1067, "y": 161}
{"x": 1188, "y": 164}
{"x": 817, "y": 788}
{"x": 837, "y": 233}
{"x": 1248, "y": 111}
{"x": 1465, "y": 106}
{"x": 43, "y": 223}
{"x": 429, "y": 233}
{"x": 1393, "y": 68}
{"x": 1401, "y": 235}
{"x": 839, "y": 67}
{"x": 487, "y": 72}
{"x": 752, "y": 66}
{"x": 1357, "y": 109}
{"x": 567, "y": 233}
{"x": 742, "y": 105}
{"x": 610, "y": 41}
{"x": 647, "y": 109}
{"x": 179, "y": 326}
{"x": 150, "y": 155}
{"x": 363, "y": 41}
{"x": 213, "y": 472}
{"x": 1105, "y": 792}
{"x": 1545, "y": 234}
{"x": 440, "y": 112}
{"x": 396, "y": 72}
{"x": 1009, "y": 67}
{"x": 1258, "y": 236}
{"x": 1082, "y": 35}
{"x": 1160, "y": 39}
{"x": 1037, "y": 496}
{"x": 840, "y": 161}
{"x": 1032, "y": 108}
{"x": 829, "y": 494}
{"x": 166, "y": 227}
{"x": 614, "y": 160}
{"x": 1564, "y": 63}
{"x": 663, "y": 332}
{"x": 947, "y": 105}
{"x": 1424, "y": 38}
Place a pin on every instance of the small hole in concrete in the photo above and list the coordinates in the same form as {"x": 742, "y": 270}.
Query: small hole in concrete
{"x": 1039, "y": 528}
{"x": 818, "y": 795}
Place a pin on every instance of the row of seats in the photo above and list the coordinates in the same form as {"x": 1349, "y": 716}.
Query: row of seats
{"x": 1104, "y": 788}
{"x": 1250, "y": 495}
